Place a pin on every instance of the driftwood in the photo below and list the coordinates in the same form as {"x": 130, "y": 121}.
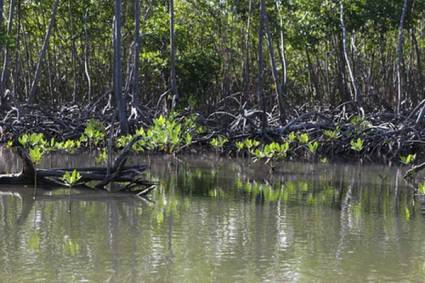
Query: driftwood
{"x": 101, "y": 178}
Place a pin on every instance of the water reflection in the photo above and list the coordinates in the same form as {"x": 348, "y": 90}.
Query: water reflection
{"x": 215, "y": 220}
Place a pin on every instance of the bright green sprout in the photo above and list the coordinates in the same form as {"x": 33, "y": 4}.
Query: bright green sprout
{"x": 408, "y": 159}
{"x": 313, "y": 146}
{"x": 219, "y": 142}
{"x": 9, "y": 144}
{"x": 357, "y": 145}
{"x": 102, "y": 156}
{"x": 36, "y": 154}
{"x": 251, "y": 144}
{"x": 303, "y": 138}
{"x": 94, "y": 131}
{"x": 71, "y": 179}
{"x": 188, "y": 139}
{"x": 421, "y": 188}
{"x": 240, "y": 145}
{"x": 32, "y": 140}
{"x": 331, "y": 134}
{"x": 292, "y": 137}
{"x": 272, "y": 151}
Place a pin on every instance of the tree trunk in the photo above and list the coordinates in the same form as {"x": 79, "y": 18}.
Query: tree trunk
{"x": 419, "y": 68}
{"x": 74, "y": 54}
{"x": 278, "y": 85}
{"x": 173, "y": 81}
{"x": 400, "y": 56}
{"x": 5, "y": 71}
{"x": 357, "y": 97}
{"x": 246, "y": 69}
{"x": 260, "y": 80}
{"x": 282, "y": 56}
{"x": 43, "y": 51}
{"x": 86, "y": 58}
{"x": 313, "y": 77}
{"x": 117, "y": 81}
{"x": 136, "y": 86}
{"x": 340, "y": 66}
{"x": 1, "y": 13}
{"x": 17, "y": 68}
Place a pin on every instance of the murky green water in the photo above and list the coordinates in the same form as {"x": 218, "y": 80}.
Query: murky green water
{"x": 219, "y": 221}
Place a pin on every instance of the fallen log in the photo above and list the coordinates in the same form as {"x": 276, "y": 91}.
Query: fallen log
{"x": 98, "y": 178}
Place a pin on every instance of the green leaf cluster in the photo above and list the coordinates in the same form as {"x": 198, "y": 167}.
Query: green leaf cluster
{"x": 219, "y": 142}
{"x": 32, "y": 140}
{"x": 272, "y": 151}
{"x": 94, "y": 132}
{"x": 331, "y": 134}
{"x": 303, "y": 138}
{"x": 313, "y": 146}
{"x": 357, "y": 145}
{"x": 248, "y": 144}
{"x": 71, "y": 178}
{"x": 407, "y": 159}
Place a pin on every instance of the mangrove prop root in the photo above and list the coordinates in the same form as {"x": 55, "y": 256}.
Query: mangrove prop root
{"x": 414, "y": 170}
{"x": 386, "y": 136}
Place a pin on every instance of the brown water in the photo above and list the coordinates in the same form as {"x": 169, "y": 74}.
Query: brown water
{"x": 213, "y": 220}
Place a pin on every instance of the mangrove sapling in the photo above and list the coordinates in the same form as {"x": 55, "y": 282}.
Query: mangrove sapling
{"x": 122, "y": 141}
{"x": 270, "y": 152}
{"x": 36, "y": 144}
{"x": 165, "y": 135}
{"x": 94, "y": 131}
{"x": 357, "y": 145}
{"x": 52, "y": 145}
{"x": 70, "y": 180}
{"x": 69, "y": 146}
{"x": 9, "y": 144}
{"x": 313, "y": 146}
{"x": 407, "y": 159}
{"x": 292, "y": 137}
{"x": 360, "y": 123}
{"x": 331, "y": 135}
{"x": 218, "y": 143}
{"x": 188, "y": 139}
{"x": 251, "y": 145}
{"x": 36, "y": 155}
{"x": 421, "y": 188}
{"x": 32, "y": 140}
{"x": 303, "y": 138}
{"x": 239, "y": 147}
{"x": 102, "y": 156}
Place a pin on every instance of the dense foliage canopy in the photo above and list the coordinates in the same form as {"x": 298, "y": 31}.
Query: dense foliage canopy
{"x": 313, "y": 52}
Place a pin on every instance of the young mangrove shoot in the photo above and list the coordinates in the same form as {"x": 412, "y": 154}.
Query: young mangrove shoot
{"x": 218, "y": 143}
{"x": 36, "y": 155}
{"x": 357, "y": 145}
{"x": 313, "y": 146}
{"x": 70, "y": 180}
{"x": 408, "y": 159}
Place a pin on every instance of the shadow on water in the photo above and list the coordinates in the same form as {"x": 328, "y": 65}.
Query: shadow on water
{"x": 221, "y": 220}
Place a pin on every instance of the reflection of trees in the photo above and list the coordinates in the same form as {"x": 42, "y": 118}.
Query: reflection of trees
{"x": 284, "y": 210}
{"x": 212, "y": 221}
